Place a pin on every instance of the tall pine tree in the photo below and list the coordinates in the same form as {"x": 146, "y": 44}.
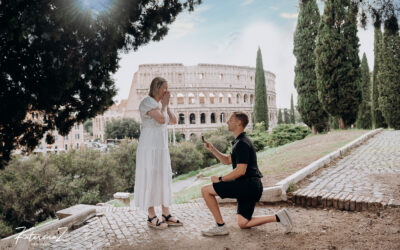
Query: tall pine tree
{"x": 337, "y": 62}
{"x": 292, "y": 110}
{"x": 389, "y": 74}
{"x": 377, "y": 118}
{"x": 364, "y": 119}
{"x": 305, "y": 80}
{"x": 260, "y": 89}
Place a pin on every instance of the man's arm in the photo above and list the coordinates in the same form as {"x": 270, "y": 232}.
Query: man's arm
{"x": 224, "y": 158}
{"x": 236, "y": 173}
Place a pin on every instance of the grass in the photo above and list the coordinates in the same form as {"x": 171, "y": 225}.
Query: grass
{"x": 277, "y": 163}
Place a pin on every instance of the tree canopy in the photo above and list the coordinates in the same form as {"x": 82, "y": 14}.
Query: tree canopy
{"x": 57, "y": 59}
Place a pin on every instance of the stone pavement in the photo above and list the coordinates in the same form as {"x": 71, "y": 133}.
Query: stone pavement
{"x": 125, "y": 227}
{"x": 366, "y": 179}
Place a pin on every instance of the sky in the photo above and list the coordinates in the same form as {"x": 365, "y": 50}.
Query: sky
{"x": 229, "y": 32}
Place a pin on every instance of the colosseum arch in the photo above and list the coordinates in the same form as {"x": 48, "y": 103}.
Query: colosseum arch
{"x": 192, "y": 118}
{"x": 238, "y": 96}
{"x": 191, "y": 98}
{"x": 229, "y": 99}
{"x": 220, "y": 98}
{"x": 181, "y": 119}
{"x": 222, "y": 117}
{"x": 180, "y": 98}
{"x": 212, "y": 117}
{"x": 212, "y": 97}
{"x": 251, "y": 99}
{"x": 202, "y": 98}
{"x": 245, "y": 98}
{"x": 202, "y": 118}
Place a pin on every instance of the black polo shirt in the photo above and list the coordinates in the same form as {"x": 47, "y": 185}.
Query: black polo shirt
{"x": 243, "y": 152}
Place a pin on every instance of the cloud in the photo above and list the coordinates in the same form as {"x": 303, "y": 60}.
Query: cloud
{"x": 186, "y": 22}
{"x": 246, "y": 2}
{"x": 289, "y": 15}
{"x": 274, "y": 8}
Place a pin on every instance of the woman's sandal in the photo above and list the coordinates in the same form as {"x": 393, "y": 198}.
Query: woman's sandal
{"x": 171, "y": 223}
{"x": 158, "y": 225}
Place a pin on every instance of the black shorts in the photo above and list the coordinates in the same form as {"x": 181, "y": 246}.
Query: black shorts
{"x": 247, "y": 192}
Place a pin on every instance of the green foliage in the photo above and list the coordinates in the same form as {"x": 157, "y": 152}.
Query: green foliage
{"x": 286, "y": 133}
{"x": 259, "y": 137}
{"x": 333, "y": 122}
{"x": 220, "y": 138}
{"x": 292, "y": 119}
{"x": 260, "y": 89}
{"x": 58, "y": 60}
{"x": 337, "y": 62}
{"x": 377, "y": 118}
{"x": 364, "y": 119}
{"x": 308, "y": 104}
{"x": 185, "y": 158}
{"x": 33, "y": 189}
{"x": 120, "y": 129}
{"x": 389, "y": 74}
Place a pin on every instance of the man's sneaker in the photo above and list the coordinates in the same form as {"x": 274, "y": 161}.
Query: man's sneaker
{"x": 216, "y": 230}
{"x": 284, "y": 219}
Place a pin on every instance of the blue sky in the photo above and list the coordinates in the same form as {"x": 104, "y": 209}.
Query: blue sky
{"x": 229, "y": 32}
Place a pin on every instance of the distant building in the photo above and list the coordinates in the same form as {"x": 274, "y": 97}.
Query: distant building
{"x": 74, "y": 140}
{"x": 202, "y": 97}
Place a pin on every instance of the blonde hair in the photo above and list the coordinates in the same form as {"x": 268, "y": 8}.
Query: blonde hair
{"x": 155, "y": 86}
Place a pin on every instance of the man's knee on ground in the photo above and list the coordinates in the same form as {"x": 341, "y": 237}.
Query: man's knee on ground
{"x": 242, "y": 222}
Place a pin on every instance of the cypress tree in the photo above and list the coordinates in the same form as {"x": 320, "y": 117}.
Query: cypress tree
{"x": 377, "y": 119}
{"x": 260, "y": 89}
{"x": 286, "y": 116}
{"x": 389, "y": 74}
{"x": 305, "y": 81}
{"x": 364, "y": 119}
{"x": 280, "y": 121}
{"x": 337, "y": 61}
{"x": 292, "y": 110}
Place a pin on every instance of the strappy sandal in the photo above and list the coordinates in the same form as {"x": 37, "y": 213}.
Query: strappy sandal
{"x": 158, "y": 225}
{"x": 171, "y": 223}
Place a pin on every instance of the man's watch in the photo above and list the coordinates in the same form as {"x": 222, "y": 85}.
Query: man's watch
{"x": 220, "y": 178}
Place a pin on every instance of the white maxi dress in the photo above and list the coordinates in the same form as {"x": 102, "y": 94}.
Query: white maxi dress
{"x": 153, "y": 179}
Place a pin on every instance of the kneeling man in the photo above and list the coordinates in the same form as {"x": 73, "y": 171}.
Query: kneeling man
{"x": 243, "y": 183}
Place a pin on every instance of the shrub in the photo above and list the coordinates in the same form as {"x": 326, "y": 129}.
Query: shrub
{"x": 286, "y": 133}
{"x": 185, "y": 158}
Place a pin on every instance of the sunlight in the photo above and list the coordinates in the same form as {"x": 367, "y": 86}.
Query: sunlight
{"x": 95, "y": 6}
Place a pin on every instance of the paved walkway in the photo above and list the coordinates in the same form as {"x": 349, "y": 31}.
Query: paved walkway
{"x": 367, "y": 178}
{"x": 126, "y": 228}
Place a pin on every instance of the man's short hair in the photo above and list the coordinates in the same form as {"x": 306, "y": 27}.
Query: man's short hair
{"x": 242, "y": 117}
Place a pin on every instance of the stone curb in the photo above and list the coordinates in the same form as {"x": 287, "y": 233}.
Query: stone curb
{"x": 311, "y": 168}
{"x": 56, "y": 229}
{"x": 278, "y": 192}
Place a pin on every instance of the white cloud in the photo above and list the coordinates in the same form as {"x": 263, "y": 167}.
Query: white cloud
{"x": 289, "y": 15}
{"x": 186, "y": 22}
{"x": 247, "y": 2}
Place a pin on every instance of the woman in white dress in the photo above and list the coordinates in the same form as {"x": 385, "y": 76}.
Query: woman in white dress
{"x": 153, "y": 178}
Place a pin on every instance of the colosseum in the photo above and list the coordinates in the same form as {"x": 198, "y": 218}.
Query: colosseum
{"x": 202, "y": 96}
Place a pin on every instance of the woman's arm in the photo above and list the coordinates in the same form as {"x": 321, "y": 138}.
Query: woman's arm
{"x": 172, "y": 117}
{"x": 158, "y": 115}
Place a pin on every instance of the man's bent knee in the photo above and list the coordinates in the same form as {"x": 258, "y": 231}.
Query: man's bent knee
{"x": 242, "y": 222}
{"x": 208, "y": 190}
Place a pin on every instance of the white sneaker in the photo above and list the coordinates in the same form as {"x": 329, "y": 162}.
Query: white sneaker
{"x": 285, "y": 219}
{"x": 216, "y": 230}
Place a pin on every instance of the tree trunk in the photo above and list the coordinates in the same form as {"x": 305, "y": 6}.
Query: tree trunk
{"x": 341, "y": 123}
{"x": 314, "y": 130}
